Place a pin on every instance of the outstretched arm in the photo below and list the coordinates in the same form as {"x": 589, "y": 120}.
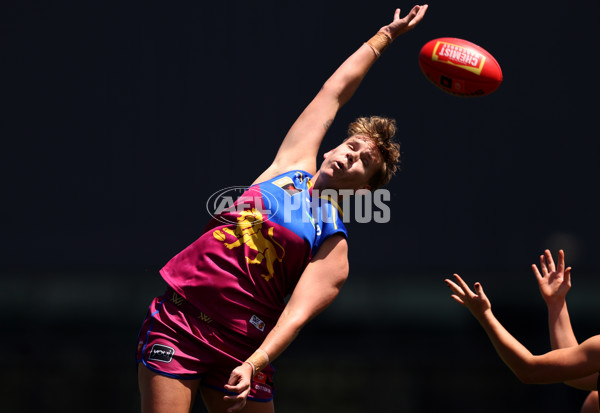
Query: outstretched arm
{"x": 554, "y": 282}
{"x": 300, "y": 146}
{"x": 553, "y": 367}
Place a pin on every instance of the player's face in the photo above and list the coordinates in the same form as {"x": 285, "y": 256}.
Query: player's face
{"x": 351, "y": 164}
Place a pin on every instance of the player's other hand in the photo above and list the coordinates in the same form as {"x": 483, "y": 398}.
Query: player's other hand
{"x": 239, "y": 383}
{"x": 554, "y": 280}
{"x": 401, "y": 25}
{"x": 476, "y": 301}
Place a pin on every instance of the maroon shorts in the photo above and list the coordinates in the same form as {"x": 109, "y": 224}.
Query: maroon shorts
{"x": 179, "y": 341}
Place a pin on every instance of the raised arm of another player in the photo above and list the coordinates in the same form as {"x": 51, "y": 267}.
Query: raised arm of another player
{"x": 554, "y": 282}
{"x": 553, "y": 367}
{"x": 300, "y": 146}
{"x": 318, "y": 286}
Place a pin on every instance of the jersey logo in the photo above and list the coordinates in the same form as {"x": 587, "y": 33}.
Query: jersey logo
{"x": 257, "y": 322}
{"x": 160, "y": 352}
{"x": 287, "y": 185}
{"x": 205, "y": 318}
{"x": 249, "y": 232}
{"x": 177, "y": 299}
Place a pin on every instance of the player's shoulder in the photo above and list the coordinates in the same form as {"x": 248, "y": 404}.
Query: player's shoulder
{"x": 275, "y": 170}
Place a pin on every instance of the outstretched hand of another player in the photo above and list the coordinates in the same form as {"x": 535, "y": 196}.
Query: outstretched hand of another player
{"x": 554, "y": 280}
{"x": 401, "y": 25}
{"x": 239, "y": 383}
{"x": 477, "y": 302}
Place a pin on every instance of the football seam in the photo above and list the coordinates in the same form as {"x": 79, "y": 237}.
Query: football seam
{"x": 480, "y": 81}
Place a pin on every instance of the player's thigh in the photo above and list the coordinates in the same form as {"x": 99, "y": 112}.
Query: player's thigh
{"x": 213, "y": 400}
{"x": 161, "y": 394}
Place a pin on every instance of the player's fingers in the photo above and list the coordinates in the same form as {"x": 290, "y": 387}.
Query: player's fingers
{"x": 464, "y": 286}
{"x": 397, "y": 15}
{"x": 234, "y": 398}
{"x": 479, "y": 291}
{"x": 568, "y": 276}
{"x": 420, "y": 12}
{"x": 457, "y": 299}
{"x": 455, "y": 288}
{"x": 231, "y": 397}
{"x": 551, "y": 266}
{"x": 536, "y": 272}
{"x": 411, "y": 16}
{"x": 543, "y": 265}
{"x": 237, "y": 387}
{"x": 234, "y": 379}
{"x": 239, "y": 399}
{"x": 561, "y": 261}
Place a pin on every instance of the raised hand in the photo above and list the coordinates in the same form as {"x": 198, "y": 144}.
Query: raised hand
{"x": 554, "y": 281}
{"x": 477, "y": 302}
{"x": 401, "y": 25}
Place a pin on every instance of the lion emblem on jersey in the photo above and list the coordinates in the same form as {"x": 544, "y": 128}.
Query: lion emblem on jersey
{"x": 249, "y": 232}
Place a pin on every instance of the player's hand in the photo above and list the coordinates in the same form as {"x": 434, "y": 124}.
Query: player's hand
{"x": 239, "y": 382}
{"x": 554, "y": 281}
{"x": 400, "y": 26}
{"x": 477, "y": 302}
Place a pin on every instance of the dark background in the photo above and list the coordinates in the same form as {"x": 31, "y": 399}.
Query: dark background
{"x": 119, "y": 119}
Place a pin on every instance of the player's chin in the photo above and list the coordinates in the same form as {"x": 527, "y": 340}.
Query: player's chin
{"x": 328, "y": 174}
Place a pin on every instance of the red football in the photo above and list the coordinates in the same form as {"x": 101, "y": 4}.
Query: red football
{"x": 460, "y": 67}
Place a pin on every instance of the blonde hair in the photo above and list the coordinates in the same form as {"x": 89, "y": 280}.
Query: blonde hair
{"x": 381, "y": 132}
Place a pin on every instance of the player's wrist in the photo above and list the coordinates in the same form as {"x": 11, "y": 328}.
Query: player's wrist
{"x": 555, "y": 305}
{"x": 258, "y": 361}
{"x": 379, "y": 42}
{"x": 388, "y": 32}
{"x": 555, "y": 301}
{"x": 485, "y": 317}
{"x": 252, "y": 366}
